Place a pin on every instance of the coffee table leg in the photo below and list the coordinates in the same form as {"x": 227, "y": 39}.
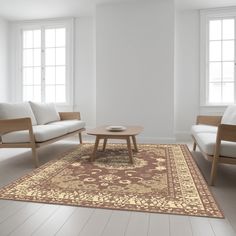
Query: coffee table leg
{"x": 135, "y": 144}
{"x": 104, "y": 144}
{"x": 93, "y": 156}
{"x": 130, "y": 150}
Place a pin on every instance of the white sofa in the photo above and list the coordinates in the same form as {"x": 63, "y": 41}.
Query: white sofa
{"x": 216, "y": 138}
{"x": 33, "y": 125}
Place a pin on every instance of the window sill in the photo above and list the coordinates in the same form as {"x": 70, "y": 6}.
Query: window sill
{"x": 212, "y": 109}
{"x": 214, "y": 106}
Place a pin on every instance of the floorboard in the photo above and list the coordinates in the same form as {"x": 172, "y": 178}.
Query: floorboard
{"x": 180, "y": 226}
{"x": 138, "y": 224}
{"x": 159, "y": 225}
{"x": 34, "y": 222}
{"x": 97, "y": 223}
{"x": 75, "y": 222}
{"x": 117, "y": 223}
{"x": 10, "y": 210}
{"x": 55, "y": 222}
{"x": 17, "y": 219}
{"x": 201, "y": 226}
{"x": 222, "y": 227}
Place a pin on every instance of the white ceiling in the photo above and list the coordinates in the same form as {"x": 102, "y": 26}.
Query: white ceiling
{"x": 39, "y": 9}
{"x": 202, "y": 4}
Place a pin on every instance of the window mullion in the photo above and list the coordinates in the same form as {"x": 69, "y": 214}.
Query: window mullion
{"x": 43, "y": 64}
{"x": 21, "y": 66}
{"x": 234, "y": 60}
{"x": 221, "y": 86}
{"x": 207, "y": 73}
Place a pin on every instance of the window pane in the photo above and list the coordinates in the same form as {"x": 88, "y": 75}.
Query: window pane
{"x": 37, "y": 38}
{"x": 228, "y": 71}
{"x": 60, "y": 56}
{"x": 215, "y": 29}
{"x": 50, "y": 75}
{"x": 27, "y": 39}
{"x": 37, "y": 75}
{"x": 54, "y": 67}
{"x": 60, "y": 37}
{"x": 215, "y": 71}
{"x": 50, "y": 93}
{"x": 228, "y": 29}
{"x": 50, "y": 38}
{"x": 228, "y": 93}
{"x": 60, "y": 93}
{"x": 37, "y": 94}
{"x": 214, "y": 92}
{"x": 60, "y": 75}
{"x": 28, "y": 93}
{"x": 37, "y": 57}
{"x": 50, "y": 56}
{"x": 228, "y": 50}
{"x": 28, "y": 76}
{"x": 28, "y": 57}
{"x": 215, "y": 51}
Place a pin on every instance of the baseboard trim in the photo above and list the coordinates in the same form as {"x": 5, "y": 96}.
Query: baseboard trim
{"x": 183, "y": 136}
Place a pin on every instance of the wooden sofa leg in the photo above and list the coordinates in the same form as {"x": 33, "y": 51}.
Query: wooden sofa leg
{"x": 213, "y": 170}
{"x": 35, "y": 156}
{"x": 194, "y": 146}
{"x": 80, "y": 138}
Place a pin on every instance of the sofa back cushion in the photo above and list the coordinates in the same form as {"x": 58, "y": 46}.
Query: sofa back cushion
{"x": 17, "y": 110}
{"x": 229, "y": 116}
{"x": 45, "y": 112}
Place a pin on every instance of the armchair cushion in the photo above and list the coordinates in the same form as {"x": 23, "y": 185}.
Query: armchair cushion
{"x": 229, "y": 116}
{"x": 17, "y": 110}
{"x": 207, "y": 142}
{"x": 44, "y": 113}
{"x": 203, "y": 129}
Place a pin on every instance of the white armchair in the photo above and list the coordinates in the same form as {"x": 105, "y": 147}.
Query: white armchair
{"x": 215, "y": 136}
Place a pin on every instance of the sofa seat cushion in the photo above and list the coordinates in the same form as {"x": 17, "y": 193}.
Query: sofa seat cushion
{"x": 70, "y": 125}
{"x": 207, "y": 143}
{"x": 203, "y": 129}
{"x": 41, "y": 133}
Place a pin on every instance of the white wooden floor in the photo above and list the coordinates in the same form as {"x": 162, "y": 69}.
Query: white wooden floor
{"x": 24, "y": 218}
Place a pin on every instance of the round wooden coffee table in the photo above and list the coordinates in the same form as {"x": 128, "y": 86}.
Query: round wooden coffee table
{"x": 128, "y": 134}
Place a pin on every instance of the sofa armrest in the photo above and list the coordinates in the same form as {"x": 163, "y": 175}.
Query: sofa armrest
{"x": 69, "y": 115}
{"x": 209, "y": 120}
{"x": 11, "y": 125}
{"x": 226, "y": 132}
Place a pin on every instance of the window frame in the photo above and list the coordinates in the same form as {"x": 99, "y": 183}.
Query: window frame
{"x": 205, "y": 17}
{"x": 18, "y": 29}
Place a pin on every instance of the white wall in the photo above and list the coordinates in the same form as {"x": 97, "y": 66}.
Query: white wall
{"x": 135, "y": 66}
{"x": 186, "y": 71}
{"x": 4, "y": 95}
{"x": 85, "y": 82}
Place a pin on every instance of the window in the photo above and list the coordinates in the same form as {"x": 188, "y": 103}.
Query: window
{"x": 46, "y": 62}
{"x": 218, "y": 83}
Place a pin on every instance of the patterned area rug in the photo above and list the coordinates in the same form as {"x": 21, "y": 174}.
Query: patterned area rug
{"x": 163, "y": 178}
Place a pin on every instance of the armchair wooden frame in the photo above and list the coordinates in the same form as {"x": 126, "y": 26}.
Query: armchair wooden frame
{"x": 225, "y": 132}
{"x": 11, "y": 125}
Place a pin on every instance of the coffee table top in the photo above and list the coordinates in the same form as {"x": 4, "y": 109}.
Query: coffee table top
{"x": 130, "y": 131}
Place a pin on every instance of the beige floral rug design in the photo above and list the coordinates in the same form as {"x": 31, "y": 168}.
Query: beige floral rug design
{"x": 163, "y": 179}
